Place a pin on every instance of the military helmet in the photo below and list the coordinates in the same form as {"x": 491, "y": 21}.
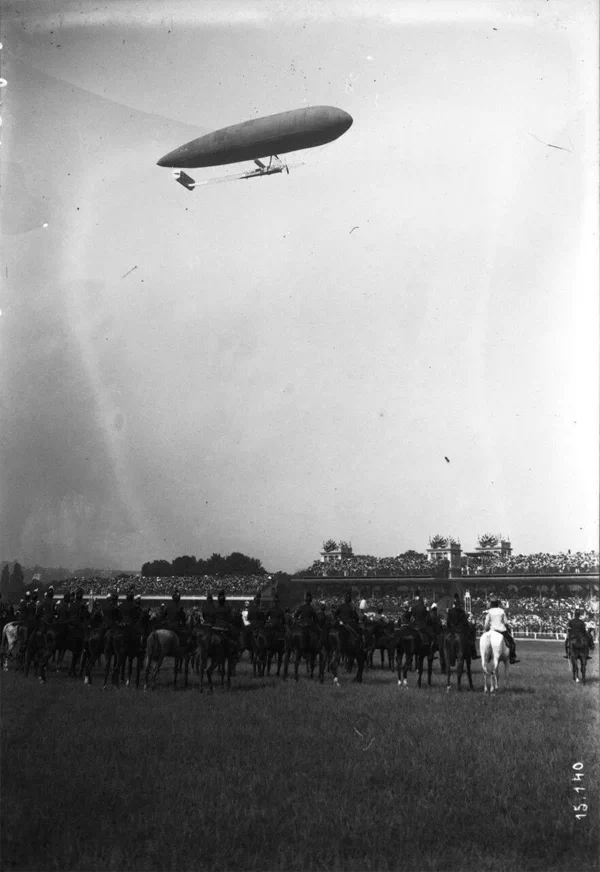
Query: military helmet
{"x": 138, "y": 598}
{"x": 27, "y": 594}
{"x": 433, "y": 606}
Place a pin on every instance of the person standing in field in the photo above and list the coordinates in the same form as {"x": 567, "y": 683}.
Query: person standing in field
{"x": 577, "y": 627}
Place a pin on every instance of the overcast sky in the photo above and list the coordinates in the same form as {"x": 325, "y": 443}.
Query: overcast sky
{"x": 261, "y": 365}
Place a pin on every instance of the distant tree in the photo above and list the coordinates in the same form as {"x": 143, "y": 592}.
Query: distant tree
{"x": 160, "y": 568}
{"x": 438, "y": 541}
{"x": 184, "y": 565}
{"x": 330, "y": 545}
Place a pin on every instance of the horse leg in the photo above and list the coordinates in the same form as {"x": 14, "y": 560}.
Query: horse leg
{"x": 209, "y": 672}
{"x": 286, "y": 663}
{"x": 468, "y": 668}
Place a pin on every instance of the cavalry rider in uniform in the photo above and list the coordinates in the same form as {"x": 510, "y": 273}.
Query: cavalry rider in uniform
{"x": 110, "y": 610}
{"x": 174, "y": 617}
{"x": 78, "y": 611}
{"x": 457, "y": 620}
{"x": 208, "y": 610}
{"x": 577, "y": 627}
{"x": 223, "y": 616}
{"x": 45, "y": 610}
{"x": 496, "y": 620}
{"x": 62, "y": 609}
{"x": 347, "y": 616}
{"x": 420, "y": 617}
{"x": 323, "y": 616}
{"x": 256, "y": 616}
{"x": 276, "y": 616}
{"x": 130, "y": 610}
{"x": 306, "y": 616}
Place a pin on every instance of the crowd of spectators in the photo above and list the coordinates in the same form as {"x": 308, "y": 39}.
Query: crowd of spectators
{"x": 233, "y": 585}
{"x": 548, "y": 615}
{"x": 418, "y": 566}
{"x": 569, "y": 563}
{"x": 366, "y": 566}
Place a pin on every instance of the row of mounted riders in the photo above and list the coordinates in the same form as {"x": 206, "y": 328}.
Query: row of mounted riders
{"x": 124, "y": 632}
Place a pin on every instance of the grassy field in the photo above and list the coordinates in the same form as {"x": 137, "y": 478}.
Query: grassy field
{"x": 281, "y": 776}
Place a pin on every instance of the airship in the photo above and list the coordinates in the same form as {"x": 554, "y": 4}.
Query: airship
{"x": 265, "y": 137}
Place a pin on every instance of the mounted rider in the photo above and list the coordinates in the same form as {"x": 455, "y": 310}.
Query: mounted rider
{"x": 347, "y": 616}
{"x": 420, "y": 618}
{"x": 306, "y": 615}
{"x": 495, "y": 619}
{"x": 276, "y": 616}
{"x": 46, "y": 608}
{"x": 78, "y": 611}
{"x": 62, "y": 608}
{"x": 324, "y": 616}
{"x": 256, "y": 615}
{"x": 110, "y": 610}
{"x": 130, "y": 610}
{"x": 457, "y": 621}
{"x": 576, "y": 627}
{"x": 173, "y": 616}
{"x": 208, "y": 610}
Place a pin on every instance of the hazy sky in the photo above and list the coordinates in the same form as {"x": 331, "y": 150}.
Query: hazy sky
{"x": 233, "y": 368}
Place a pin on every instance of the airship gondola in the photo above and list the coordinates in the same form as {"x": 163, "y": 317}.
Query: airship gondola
{"x": 266, "y": 137}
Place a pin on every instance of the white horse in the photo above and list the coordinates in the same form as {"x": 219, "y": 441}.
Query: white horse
{"x": 493, "y": 650}
{"x": 10, "y": 641}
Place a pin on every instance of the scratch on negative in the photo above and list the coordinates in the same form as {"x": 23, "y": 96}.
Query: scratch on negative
{"x": 550, "y": 145}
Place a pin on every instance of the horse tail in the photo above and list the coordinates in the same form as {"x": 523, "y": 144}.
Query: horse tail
{"x": 450, "y": 650}
{"x": 152, "y": 649}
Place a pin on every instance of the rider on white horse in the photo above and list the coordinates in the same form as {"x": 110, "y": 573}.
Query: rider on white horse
{"x": 496, "y": 620}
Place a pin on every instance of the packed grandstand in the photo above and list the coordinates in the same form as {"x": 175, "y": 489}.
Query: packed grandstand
{"x": 417, "y": 565}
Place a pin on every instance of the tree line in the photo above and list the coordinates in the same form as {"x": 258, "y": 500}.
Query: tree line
{"x": 235, "y": 563}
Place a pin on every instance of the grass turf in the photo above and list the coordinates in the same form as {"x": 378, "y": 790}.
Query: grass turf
{"x": 281, "y": 776}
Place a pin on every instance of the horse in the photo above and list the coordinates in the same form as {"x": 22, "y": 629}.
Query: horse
{"x": 457, "y": 654}
{"x": 275, "y": 647}
{"x": 579, "y": 648}
{"x": 60, "y": 638}
{"x": 341, "y": 640}
{"x": 301, "y": 641}
{"x": 493, "y": 650}
{"x": 36, "y": 652}
{"x": 220, "y": 649}
{"x": 409, "y": 642}
{"x": 93, "y": 647}
{"x": 125, "y": 643}
{"x": 10, "y": 640}
{"x": 166, "y": 643}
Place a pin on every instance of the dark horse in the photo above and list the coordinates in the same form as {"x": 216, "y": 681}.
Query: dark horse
{"x": 301, "y": 641}
{"x": 221, "y": 649}
{"x": 457, "y": 655}
{"x": 124, "y": 644}
{"x": 338, "y": 641}
{"x": 409, "y": 643}
{"x": 59, "y": 638}
{"x": 579, "y": 647}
